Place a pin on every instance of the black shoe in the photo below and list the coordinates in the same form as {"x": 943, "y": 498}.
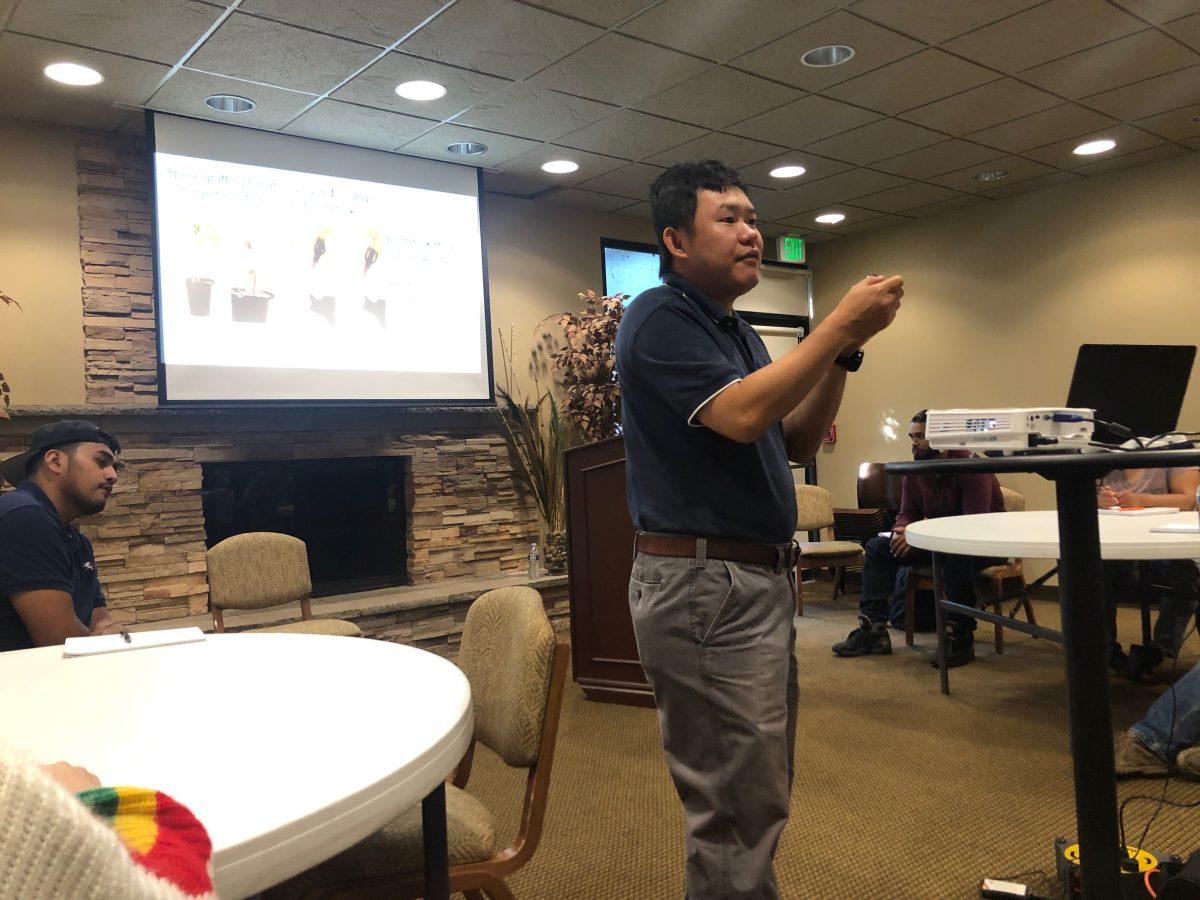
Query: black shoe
{"x": 1119, "y": 662}
{"x": 1143, "y": 660}
{"x": 960, "y": 648}
{"x": 867, "y": 639}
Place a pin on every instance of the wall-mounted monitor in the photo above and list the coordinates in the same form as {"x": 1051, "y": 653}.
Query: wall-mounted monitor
{"x": 629, "y": 267}
{"x": 294, "y": 270}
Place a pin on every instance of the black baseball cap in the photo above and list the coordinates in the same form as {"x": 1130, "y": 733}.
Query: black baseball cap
{"x": 48, "y": 437}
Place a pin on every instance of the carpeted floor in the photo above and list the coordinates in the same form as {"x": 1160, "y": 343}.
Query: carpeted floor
{"x": 900, "y": 792}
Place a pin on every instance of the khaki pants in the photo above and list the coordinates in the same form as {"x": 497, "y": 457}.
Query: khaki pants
{"x": 717, "y": 640}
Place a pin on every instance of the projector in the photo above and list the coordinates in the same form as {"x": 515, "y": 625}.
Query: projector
{"x": 1010, "y": 430}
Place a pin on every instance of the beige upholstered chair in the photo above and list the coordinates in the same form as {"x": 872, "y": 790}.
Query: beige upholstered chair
{"x": 260, "y": 569}
{"x": 814, "y": 512}
{"x": 995, "y": 584}
{"x": 516, "y": 668}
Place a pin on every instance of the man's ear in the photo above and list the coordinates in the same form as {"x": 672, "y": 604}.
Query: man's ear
{"x": 675, "y": 241}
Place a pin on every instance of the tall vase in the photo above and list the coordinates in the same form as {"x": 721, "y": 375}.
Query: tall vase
{"x": 554, "y": 551}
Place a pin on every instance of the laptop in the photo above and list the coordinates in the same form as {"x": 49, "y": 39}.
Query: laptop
{"x": 1140, "y": 386}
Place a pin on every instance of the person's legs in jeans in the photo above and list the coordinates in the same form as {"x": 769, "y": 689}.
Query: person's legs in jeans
{"x": 880, "y": 569}
{"x": 1172, "y": 723}
{"x": 959, "y": 574}
{"x": 1177, "y": 607}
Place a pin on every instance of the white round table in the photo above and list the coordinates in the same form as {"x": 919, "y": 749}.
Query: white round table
{"x": 288, "y": 747}
{"x": 1034, "y": 535}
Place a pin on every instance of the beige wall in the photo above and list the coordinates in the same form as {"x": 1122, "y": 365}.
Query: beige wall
{"x": 41, "y": 348}
{"x": 999, "y": 296}
{"x": 540, "y": 256}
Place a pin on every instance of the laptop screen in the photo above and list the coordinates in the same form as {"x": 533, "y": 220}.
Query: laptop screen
{"x": 1140, "y": 386}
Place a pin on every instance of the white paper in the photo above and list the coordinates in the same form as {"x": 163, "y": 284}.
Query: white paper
{"x": 138, "y": 640}
{"x": 1144, "y": 511}
{"x": 1178, "y": 528}
{"x": 886, "y": 534}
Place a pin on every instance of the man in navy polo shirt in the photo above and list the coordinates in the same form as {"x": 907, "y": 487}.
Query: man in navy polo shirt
{"x": 710, "y": 423}
{"x": 49, "y": 590}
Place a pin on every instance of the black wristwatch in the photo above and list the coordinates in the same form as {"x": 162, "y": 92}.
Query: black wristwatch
{"x": 850, "y": 361}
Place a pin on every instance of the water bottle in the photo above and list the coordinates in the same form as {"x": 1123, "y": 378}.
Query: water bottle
{"x": 534, "y": 558}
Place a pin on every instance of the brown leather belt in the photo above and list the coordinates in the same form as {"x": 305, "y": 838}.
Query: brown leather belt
{"x": 781, "y": 556}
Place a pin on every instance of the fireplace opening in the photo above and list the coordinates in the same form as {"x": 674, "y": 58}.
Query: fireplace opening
{"x": 351, "y": 513}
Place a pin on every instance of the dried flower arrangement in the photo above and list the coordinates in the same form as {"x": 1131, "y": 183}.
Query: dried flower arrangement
{"x": 587, "y": 365}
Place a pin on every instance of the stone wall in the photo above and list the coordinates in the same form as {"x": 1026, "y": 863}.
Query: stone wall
{"x": 466, "y": 515}
{"x": 119, "y": 355}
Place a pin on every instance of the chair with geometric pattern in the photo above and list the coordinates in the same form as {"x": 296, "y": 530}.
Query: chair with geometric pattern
{"x": 814, "y": 512}
{"x": 259, "y": 569}
{"x": 516, "y": 668}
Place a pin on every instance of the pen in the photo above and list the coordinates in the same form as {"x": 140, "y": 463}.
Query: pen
{"x": 126, "y": 637}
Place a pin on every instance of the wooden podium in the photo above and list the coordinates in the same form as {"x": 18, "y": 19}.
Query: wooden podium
{"x": 600, "y": 557}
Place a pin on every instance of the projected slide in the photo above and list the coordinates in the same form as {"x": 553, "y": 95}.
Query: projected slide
{"x": 279, "y": 283}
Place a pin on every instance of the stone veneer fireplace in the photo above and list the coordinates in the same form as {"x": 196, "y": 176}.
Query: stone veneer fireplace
{"x": 465, "y": 515}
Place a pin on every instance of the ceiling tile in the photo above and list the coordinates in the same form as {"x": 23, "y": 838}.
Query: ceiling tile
{"x": 729, "y": 29}
{"x": 1127, "y": 137}
{"x": 516, "y": 185}
{"x": 879, "y": 140}
{"x": 499, "y": 37}
{"x": 933, "y": 209}
{"x": 185, "y": 91}
{"x": 1018, "y": 169}
{"x": 1158, "y": 10}
{"x": 1044, "y": 33}
{"x": 631, "y": 135}
{"x": 377, "y": 86}
{"x": 982, "y": 107}
{"x": 1187, "y": 30}
{"x": 937, "y": 158}
{"x": 1042, "y": 182}
{"x": 599, "y": 12}
{"x": 906, "y": 196}
{"x": 361, "y": 126}
{"x": 1155, "y": 95}
{"x": 816, "y": 168}
{"x": 719, "y": 97}
{"x": 872, "y": 224}
{"x": 28, "y": 94}
{"x": 157, "y": 30}
{"x": 845, "y": 186}
{"x": 378, "y": 22}
{"x": 589, "y": 200}
{"x": 621, "y": 70}
{"x": 631, "y": 181}
{"x": 1042, "y": 128}
{"x": 804, "y": 121}
{"x": 874, "y": 47}
{"x": 913, "y": 81}
{"x": 771, "y": 206}
{"x": 1176, "y": 125}
{"x": 1112, "y": 65}
{"x": 529, "y": 165}
{"x": 281, "y": 55}
{"x": 1130, "y": 160}
{"x": 730, "y": 149}
{"x": 935, "y": 21}
{"x": 533, "y": 112}
{"x": 640, "y": 210}
{"x": 854, "y": 215}
{"x": 501, "y": 147}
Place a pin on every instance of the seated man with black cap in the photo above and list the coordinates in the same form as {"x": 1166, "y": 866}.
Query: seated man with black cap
{"x": 49, "y": 590}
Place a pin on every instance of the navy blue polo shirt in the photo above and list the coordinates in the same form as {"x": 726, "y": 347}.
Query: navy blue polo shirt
{"x": 676, "y": 350}
{"x": 38, "y": 551}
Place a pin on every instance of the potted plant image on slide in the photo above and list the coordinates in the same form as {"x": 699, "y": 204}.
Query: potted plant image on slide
{"x": 249, "y": 304}
{"x": 322, "y": 300}
{"x": 200, "y": 286}
{"x": 374, "y": 283}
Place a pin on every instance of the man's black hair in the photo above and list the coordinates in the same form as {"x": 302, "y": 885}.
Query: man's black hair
{"x": 32, "y": 467}
{"x": 673, "y": 198}
{"x": 919, "y": 418}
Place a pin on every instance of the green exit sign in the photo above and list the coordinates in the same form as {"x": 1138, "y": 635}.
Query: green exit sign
{"x": 791, "y": 248}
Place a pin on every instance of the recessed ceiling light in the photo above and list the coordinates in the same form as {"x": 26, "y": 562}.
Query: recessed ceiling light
{"x": 1091, "y": 148}
{"x": 229, "y": 103}
{"x": 830, "y": 55}
{"x": 420, "y": 90}
{"x": 72, "y": 74}
{"x": 830, "y": 218}
{"x": 788, "y": 172}
{"x": 994, "y": 175}
{"x": 560, "y": 167}
{"x": 466, "y": 148}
